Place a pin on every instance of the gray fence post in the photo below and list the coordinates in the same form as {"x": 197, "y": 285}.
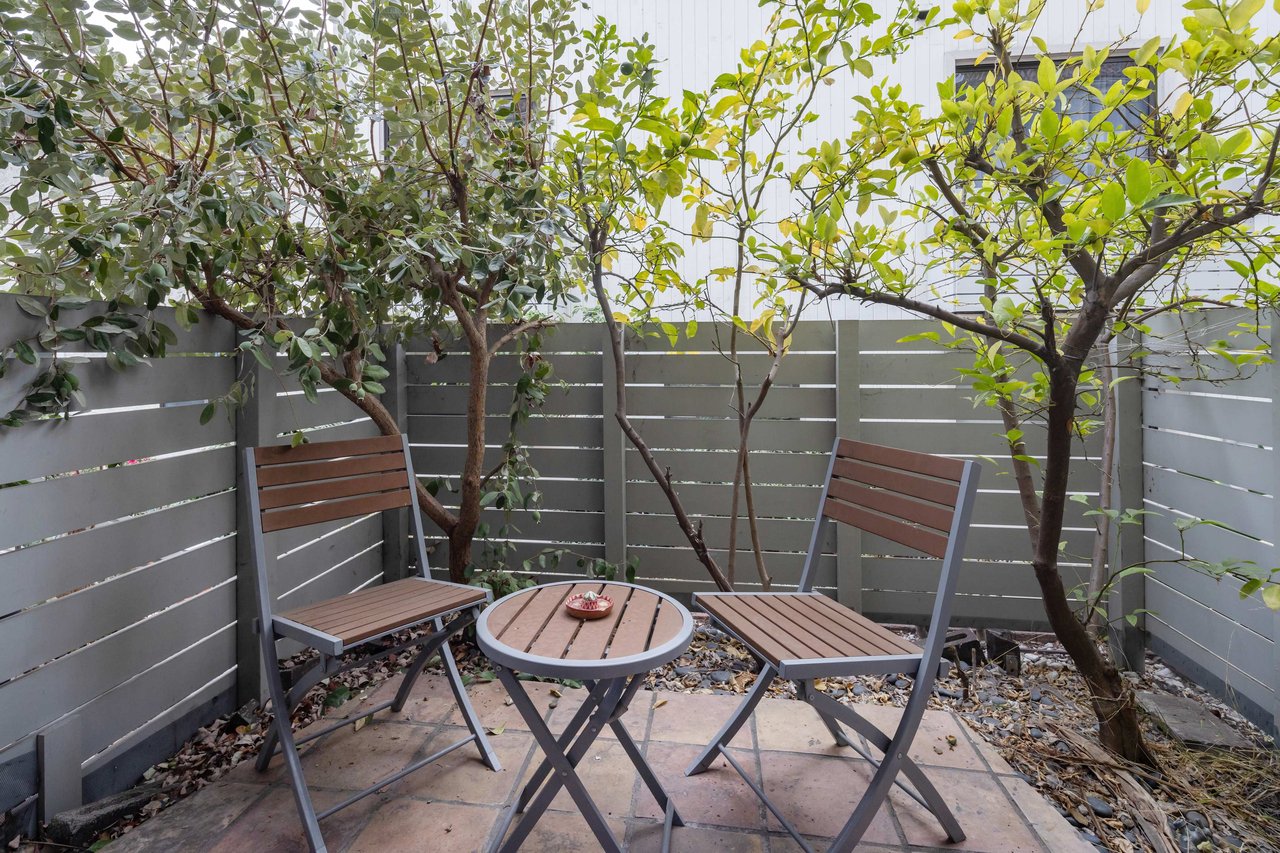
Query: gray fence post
{"x": 1275, "y": 478}
{"x": 1127, "y": 547}
{"x": 848, "y": 392}
{"x": 252, "y": 422}
{"x": 615, "y": 460}
{"x": 395, "y": 522}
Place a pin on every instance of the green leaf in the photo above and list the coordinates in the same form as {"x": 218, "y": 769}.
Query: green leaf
{"x": 1271, "y": 596}
{"x": 207, "y": 413}
{"x": 1242, "y": 13}
{"x": 1113, "y": 203}
{"x": 1137, "y": 181}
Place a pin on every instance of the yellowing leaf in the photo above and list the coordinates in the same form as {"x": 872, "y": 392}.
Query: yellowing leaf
{"x": 701, "y": 223}
{"x": 1143, "y": 5}
{"x": 1271, "y": 595}
{"x": 1183, "y": 104}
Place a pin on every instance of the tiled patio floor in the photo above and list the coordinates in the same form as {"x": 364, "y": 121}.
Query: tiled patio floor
{"x": 455, "y": 804}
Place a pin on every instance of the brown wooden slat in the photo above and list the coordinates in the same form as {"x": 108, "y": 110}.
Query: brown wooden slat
{"x": 282, "y": 475}
{"x": 858, "y": 623}
{"x": 558, "y": 633}
{"x": 592, "y": 639}
{"x": 356, "y": 611}
{"x": 282, "y": 519}
{"x": 803, "y": 639}
{"x": 721, "y": 607}
{"x": 905, "y": 460}
{"x": 842, "y": 643}
{"x": 667, "y": 623}
{"x": 501, "y": 613}
{"x": 938, "y": 491}
{"x": 635, "y": 626}
{"x": 922, "y": 539}
{"x": 891, "y": 503}
{"x": 520, "y": 633}
{"x": 854, "y": 636}
{"x": 402, "y": 613}
{"x": 284, "y": 453}
{"x": 351, "y": 601}
{"x": 323, "y": 490}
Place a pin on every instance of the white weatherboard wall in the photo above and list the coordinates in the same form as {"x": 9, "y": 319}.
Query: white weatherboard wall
{"x": 696, "y": 40}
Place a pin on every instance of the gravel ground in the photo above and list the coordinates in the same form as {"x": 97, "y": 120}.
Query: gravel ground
{"x": 1204, "y": 801}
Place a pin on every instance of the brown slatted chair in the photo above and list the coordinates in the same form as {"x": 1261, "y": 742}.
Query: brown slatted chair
{"x": 915, "y": 499}
{"x": 298, "y": 486}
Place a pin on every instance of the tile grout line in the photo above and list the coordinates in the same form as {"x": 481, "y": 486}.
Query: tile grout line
{"x": 1017, "y": 809}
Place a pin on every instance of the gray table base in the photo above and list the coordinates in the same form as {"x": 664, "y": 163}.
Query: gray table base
{"x": 607, "y": 700}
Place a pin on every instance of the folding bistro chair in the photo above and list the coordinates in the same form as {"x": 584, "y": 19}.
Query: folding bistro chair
{"x": 298, "y": 486}
{"x": 915, "y": 499}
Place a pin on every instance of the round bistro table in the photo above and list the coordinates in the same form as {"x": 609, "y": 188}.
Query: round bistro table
{"x": 531, "y": 632}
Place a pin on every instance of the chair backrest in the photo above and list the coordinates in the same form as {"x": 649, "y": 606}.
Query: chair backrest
{"x": 326, "y": 481}
{"x": 916, "y": 499}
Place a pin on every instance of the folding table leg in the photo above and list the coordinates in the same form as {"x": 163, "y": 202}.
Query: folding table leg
{"x": 730, "y": 728}
{"x": 563, "y": 763}
{"x": 596, "y": 691}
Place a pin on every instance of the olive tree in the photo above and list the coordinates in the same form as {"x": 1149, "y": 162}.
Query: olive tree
{"x": 327, "y": 177}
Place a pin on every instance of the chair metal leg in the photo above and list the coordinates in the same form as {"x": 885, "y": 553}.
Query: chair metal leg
{"x": 731, "y": 726}
{"x": 894, "y": 748}
{"x": 284, "y": 732}
{"x": 833, "y": 726}
{"x": 431, "y": 647}
{"x": 487, "y": 754}
{"x": 313, "y": 675}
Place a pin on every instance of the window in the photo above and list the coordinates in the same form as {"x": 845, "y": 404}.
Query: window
{"x": 1081, "y": 104}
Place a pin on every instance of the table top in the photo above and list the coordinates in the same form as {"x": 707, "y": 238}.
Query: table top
{"x": 531, "y": 631}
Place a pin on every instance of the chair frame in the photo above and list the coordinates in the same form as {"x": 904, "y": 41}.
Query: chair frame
{"x": 280, "y": 737}
{"x": 924, "y": 667}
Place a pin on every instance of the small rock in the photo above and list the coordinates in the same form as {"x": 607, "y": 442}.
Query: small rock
{"x": 1035, "y": 695}
{"x": 720, "y": 676}
{"x": 998, "y": 700}
{"x": 685, "y": 670}
{"x": 859, "y": 690}
{"x": 1100, "y": 806}
{"x": 1197, "y": 818}
{"x": 1037, "y": 733}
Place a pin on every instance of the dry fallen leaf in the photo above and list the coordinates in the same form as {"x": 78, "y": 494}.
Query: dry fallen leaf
{"x": 659, "y": 703}
{"x": 360, "y": 723}
{"x": 497, "y": 730}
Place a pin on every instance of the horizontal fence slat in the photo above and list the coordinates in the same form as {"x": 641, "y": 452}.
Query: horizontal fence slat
{"x": 46, "y": 694}
{"x": 1244, "y": 421}
{"x": 723, "y": 434}
{"x": 721, "y": 402}
{"x": 676, "y": 368}
{"x": 658, "y": 566}
{"x": 88, "y": 499}
{"x": 538, "y": 431}
{"x": 705, "y": 467}
{"x": 302, "y": 558}
{"x": 810, "y": 336}
{"x": 558, "y": 462}
{"x": 452, "y": 399}
{"x": 978, "y": 611}
{"x": 1233, "y": 464}
{"x": 56, "y": 447}
{"x": 1248, "y": 512}
{"x": 775, "y": 534}
{"x": 42, "y": 633}
{"x": 505, "y": 369}
{"x": 32, "y": 575}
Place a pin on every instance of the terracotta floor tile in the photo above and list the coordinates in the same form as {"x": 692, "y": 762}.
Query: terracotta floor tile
{"x": 462, "y": 775}
{"x": 789, "y": 725}
{"x": 197, "y": 822}
{"x": 818, "y": 794}
{"x": 567, "y": 832}
{"x": 941, "y": 741}
{"x": 570, "y": 700}
{"x": 985, "y": 813}
{"x": 494, "y": 708}
{"x": 694, "y": 718}
{"x": 717, "y": 797}
{"x": 352, "y": 759}
{"x": 413, "y": 825}
{"x": 608, "y": 775}
{"x": 273, "y": 823}
{"x": 646, "y": 837}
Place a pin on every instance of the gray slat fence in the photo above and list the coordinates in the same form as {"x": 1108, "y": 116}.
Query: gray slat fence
{"x": 118, "y": 561}
{"x": 1208, "y": 446}
{"x": 850, "y": 377}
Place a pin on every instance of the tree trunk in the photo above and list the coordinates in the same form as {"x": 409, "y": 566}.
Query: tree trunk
{"x": 463, "y": 533}
{"x": 1112, "y": 698}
